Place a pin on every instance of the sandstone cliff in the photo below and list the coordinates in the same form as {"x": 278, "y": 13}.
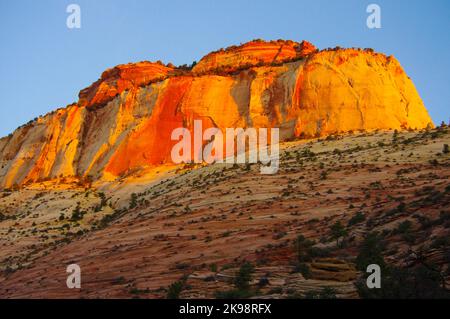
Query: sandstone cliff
{"x": 123, "y": 122}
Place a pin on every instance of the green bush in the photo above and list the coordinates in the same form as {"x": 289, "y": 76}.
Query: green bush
{"x": 241, "y": 282}
{"x": 370, "y": 252}
{"x": 244, "y": 276}
{"x": 133, "y": 201}
{"x": 304, "y": 270}
{"x": 325, "y": 293}
{"x": 77, "y": 214}
{"x": 404, "y": 227}
{"x": 303, "y": 247}
{"x": 175, "y": 289}
{"x": 356, "y": 219}
{"x": 338, "y": 231}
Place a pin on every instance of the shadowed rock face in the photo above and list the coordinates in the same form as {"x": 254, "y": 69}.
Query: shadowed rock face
{"x": 123, "y": 122}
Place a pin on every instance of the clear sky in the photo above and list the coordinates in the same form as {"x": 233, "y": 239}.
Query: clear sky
{"x": 44, "y": 64}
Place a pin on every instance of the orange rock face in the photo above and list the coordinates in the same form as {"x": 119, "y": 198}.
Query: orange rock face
{"x": 123, "y": 122}
{"x": 143, "y": 146}
{"x": 120, "y": 78}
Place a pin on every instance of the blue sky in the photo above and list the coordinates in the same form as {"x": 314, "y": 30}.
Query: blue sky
{"x": 43, "y": 64}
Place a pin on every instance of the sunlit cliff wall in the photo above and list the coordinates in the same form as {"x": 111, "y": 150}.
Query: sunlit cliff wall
{"x": 123, "y": 121}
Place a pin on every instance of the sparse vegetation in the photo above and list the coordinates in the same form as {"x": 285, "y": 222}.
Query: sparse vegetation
{"x": 338, "y": 231}
{"x": 241, "y": 282}
{"x": 77, "y": 214}
{"x": 335, "y": 191}
{"x": 324, "y": 293}
{"x": 358, "y": 218}
{"x": 370, "y": 252}
{"x": 445, "y": 149}
{"x": 133, "y": 200}
{"x": 175, "y": 289}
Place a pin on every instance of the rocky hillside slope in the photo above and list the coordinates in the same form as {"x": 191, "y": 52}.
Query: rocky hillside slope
{"x": 122, "y": 123}
{"x": 388, "y": 193}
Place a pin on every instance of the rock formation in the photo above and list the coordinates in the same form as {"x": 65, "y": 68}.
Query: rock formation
{"x": 123, "y": 122}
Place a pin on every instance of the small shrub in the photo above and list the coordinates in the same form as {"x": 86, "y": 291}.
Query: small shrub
{"x": 338, "y": 231}
{"x": 304, "y": 270}
{"x": 356, "y": 219}
{"x": 244, "y": 276}
{"x": 133, "y": 201}
{"x": 303, "y": 247}
{"x": 325, "y": 293}
{"x": 404, "y": 227}
{"x": 370, "y": 252}
{"x": 175, "y": 289}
